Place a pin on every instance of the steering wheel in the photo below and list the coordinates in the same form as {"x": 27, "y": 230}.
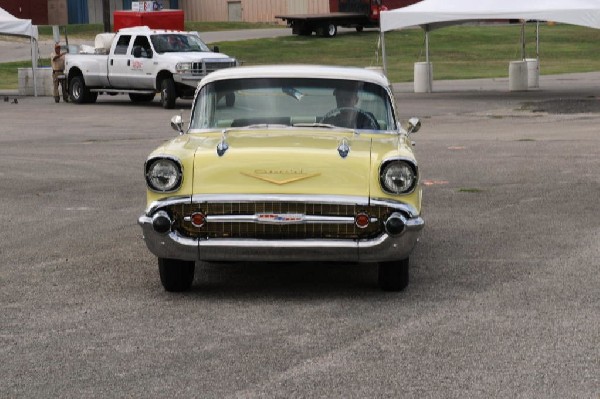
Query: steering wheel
{"x": 368, "y": 120}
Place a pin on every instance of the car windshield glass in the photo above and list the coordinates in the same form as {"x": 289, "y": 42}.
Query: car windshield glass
{"x": 323, "y": 103}
{"x": 177, "y": 43}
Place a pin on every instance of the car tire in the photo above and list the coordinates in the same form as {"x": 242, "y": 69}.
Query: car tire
{"x": 141, "y": 98}
{"x": 78, "y": 91}
{"x": 168, "y": 94}
{"x": 360, "y": 28}
{"x": 91, "y": 97}
{"x": 176, "y": 275}
{"x": 328, "y": 30}
{"x": 393, "y": 276}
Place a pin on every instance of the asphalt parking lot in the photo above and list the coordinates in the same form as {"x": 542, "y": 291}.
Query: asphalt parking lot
{"x": 504, "y": 296}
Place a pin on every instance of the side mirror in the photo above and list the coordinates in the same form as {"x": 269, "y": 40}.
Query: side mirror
{"x": 137, "y": 52}
{"x": 216, "y": 49}
{"x": 149, "y": 53}
{"x": 177, "y": 124}
{"x": 414, "y": 124}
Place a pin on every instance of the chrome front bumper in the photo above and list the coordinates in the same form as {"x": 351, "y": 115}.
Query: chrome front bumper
{"x": 385, "y": 247}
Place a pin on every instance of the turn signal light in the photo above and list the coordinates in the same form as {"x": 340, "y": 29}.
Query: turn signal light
{"x": 362, "y": 220}
{"x": 198, "y": 219}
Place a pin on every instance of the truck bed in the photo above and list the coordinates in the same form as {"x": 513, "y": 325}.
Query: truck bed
{"x": 327, "y": 16}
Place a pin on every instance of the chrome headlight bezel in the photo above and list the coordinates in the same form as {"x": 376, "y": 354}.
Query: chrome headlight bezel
{"x": 183, "y": 67}
{"x": 405, "y": 170}
{"x": 171, "y": 170}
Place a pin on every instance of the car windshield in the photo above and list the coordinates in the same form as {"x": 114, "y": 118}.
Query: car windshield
{"x": 322, "y": 103}
{"x": 177, "y": 43}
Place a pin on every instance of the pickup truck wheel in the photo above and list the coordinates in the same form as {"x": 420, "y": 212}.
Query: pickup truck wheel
{"x": 176, "y": 275}
{"x": 327, "y": 30}
{"x": 168, "y": 95}
{"x": 141, "y": 98}
{"x": 78, "y": 91}
{"x": 91, "y": 97}
{"x": 393, "y": 276}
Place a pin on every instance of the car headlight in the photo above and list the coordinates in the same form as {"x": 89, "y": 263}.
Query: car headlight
{"x": 183, "y": 66}
{"x": 163, "y": 174}
{"x": 398, "y": 177}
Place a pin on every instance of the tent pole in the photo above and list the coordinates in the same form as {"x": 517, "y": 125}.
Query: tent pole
{"x": 383, "y": 54}
{"x": 34, "y": 63}
{"x": 522, "y": 39}
{"x": 427, "y": 43}
{"x": 537, "y": 40}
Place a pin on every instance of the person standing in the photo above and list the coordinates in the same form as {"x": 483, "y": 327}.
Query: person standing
{"x": 57, "y": 60}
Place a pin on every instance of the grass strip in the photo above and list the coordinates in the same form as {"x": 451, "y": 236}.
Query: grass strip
{"x": 460, "y": 52}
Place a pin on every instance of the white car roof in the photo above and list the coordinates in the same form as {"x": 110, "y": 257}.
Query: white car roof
{"x": 145, "y": 29}
{"x": 298, "y": 71}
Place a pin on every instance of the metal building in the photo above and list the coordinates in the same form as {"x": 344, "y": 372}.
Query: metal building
{"x": 249, "y": 10}
{"x": 62, "y": 12}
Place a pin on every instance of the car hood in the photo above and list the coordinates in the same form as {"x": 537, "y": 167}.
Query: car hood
{"x": 195, "y": 56}
{"x": 285, "y": 161}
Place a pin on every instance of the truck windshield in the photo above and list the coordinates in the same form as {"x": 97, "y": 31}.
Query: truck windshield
{"x": 310, "y": 102}
{"x": 177, "y": 43}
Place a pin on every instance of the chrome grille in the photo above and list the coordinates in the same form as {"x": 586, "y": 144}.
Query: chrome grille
{"x": 206, "y": 67}
{"x": 213, "y": 66}
{"x": 278, "y": 231}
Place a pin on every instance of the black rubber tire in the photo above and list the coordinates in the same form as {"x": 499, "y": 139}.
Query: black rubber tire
{"x": 176, "y": 275}
{"x": 360, "y": 28}
{"x": 78, "y": 91}
{"x": 393, "y": 276}
{"x": 327, "y": 30}
{"x": 141, "y": 98}
{"x": 91, "y": 97}
{"x": 168, "y": 94}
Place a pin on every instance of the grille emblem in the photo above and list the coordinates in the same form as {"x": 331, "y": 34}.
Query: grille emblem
{"x": 281, "y": 178}
{"x": 280, "y": 218}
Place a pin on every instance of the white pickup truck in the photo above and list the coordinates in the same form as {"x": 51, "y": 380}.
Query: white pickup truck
{"x": 142, "y": 62}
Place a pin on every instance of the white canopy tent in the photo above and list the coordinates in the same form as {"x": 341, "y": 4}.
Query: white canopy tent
{"x": 433, "y": 14}
{"x": 10, "y": 25}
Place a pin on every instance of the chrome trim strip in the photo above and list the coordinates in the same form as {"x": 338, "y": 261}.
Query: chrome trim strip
{"x": 248, "y": 198}
{"x": 156, "y": 205}
{"x": 307, "y": 219}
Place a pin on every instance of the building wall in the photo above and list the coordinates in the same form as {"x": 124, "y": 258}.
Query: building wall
{"x": 252, "y": 10}
{"x": 95, "y": 11}
{"x": 36, "y": 10}
{"x": 58, "y": 12}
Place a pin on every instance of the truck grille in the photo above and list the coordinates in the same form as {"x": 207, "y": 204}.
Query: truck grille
{"x": 206, "y": 67}
{"x": 256, "y": 230}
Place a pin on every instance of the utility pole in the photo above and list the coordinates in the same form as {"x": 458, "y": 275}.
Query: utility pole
{"x": 106, "y": 15}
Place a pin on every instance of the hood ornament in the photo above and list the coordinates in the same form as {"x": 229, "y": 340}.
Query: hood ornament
{"x": 222, "y": 147}
{"x": 343, "y": 148}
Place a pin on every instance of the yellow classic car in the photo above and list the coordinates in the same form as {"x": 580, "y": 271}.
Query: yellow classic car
{"x": 278, "y": 163}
